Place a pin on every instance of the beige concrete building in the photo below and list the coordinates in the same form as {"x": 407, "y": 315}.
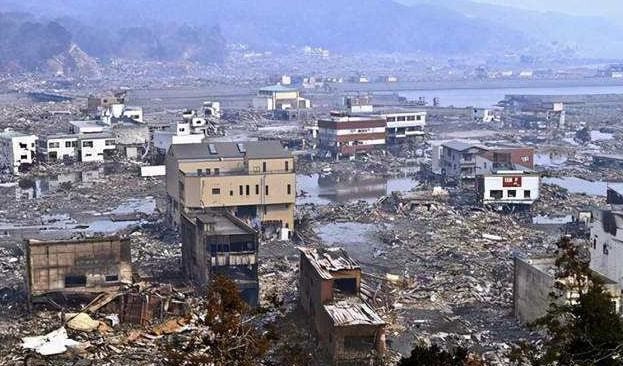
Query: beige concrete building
{"x": 254, "y": 180}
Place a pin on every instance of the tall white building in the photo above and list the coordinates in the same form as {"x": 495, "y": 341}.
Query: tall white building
{"x": 606, "y": 237}
{"x": 16, "y": 149}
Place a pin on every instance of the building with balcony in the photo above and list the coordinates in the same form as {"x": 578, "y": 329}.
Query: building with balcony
{"x": 218, "y": 243}
{"x": 16, "y": 148}
{"x": 253, "y": 180}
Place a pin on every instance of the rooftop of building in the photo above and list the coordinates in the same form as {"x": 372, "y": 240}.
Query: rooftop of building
{"x": 345, "y": 117}
{"x": 277, "y": 88}
{"x": 328, "y": 260}
{"x": 397, "y": 111}
{"x": 547, "y": 266}
{"x": 462, "y": 145}
{"x": 9, "y": 134}
{"x": 60, "y": 239}
{"x": 60, "y": 136}
{"x": 352, "y": 311}
{"x": 222, "y": 223}
{"x": 224, "y": 150}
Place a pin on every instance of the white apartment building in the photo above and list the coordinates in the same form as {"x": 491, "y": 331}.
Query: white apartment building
{"x": 508, "y": 187}
{"x": 404, "y": 124}
{"x": 606, "y": 237}
{"x": 163, "y": 140}
{"x": 83, "y": 147}
{"x": 16, "y": 148}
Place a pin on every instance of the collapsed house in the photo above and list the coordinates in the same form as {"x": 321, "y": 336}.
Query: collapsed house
{"x": 218, "y": 243}
{"x": 255, "y": 180}
{"x": 78, "y": 266}
{"x": 351, "y": 331}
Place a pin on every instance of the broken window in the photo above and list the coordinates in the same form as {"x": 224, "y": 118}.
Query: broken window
{"x": 359, "y": 343}
{"x": 496, "y": 194}
{"x": 75, "y": 281}
{"x": 345, "y": 285}
{"x": 512, "y": 193}
{"x": 410, "y": 118}
{"x": 87, "y": 143}
{"x": 110, "y": 142}
{"x": 526, "y": 194}
{"x": 217, "y": 171}
{"x": 605, "y": 248}
{"x": 23, "y": 145}
{"x": 53, "y": 145}
{"x": 216, "y": 191}
{"x": 67, "y": 143}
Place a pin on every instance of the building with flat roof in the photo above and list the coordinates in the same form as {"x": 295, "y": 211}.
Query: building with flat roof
{"x": 508, "y": 187}
{"x": 279, "y": 97}
{"x": 255, "y": 180}
{"x": 345, "y": 135}
{"x": 16, "y": 149}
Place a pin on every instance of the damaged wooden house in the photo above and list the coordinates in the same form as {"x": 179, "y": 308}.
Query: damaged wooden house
{"x": 218, "y": 243}
{"x": 77, "y": 266}
{"x": 351, "y": 331}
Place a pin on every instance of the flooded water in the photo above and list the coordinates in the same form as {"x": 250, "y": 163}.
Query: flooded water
{"x": 322, "y": 190}
{"x": 552, "y": 220}
{"x": 360, "y": 240}
{"x": 550, "y": 160}
{"x": 579, "y": 185}
{"x": 485, "y": 98}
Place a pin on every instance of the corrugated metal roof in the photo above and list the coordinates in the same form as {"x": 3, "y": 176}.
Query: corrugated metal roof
{"x": 352, "y": 312}
{"x": 327, "y": 260}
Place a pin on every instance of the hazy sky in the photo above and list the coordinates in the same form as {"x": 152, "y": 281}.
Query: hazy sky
{"x": 609, "y": 8}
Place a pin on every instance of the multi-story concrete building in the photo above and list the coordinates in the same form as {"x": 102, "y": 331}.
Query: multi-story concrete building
{"x": 82, "y": 147}
{"x": 466, "y": 160}
{"x": 279, "y": 97}
{"x": 254, "y": 180}
{"x": 218, "y": 243}
{"x": 178, "y": 134}
{"x": 351, "y": 331}
{"x": 403, "y": 124}
{"x": 344, "y": 135}
{"x": 508, "y": 187}
{"x": 16, "y": 148}
{"x": 606, "y": 236}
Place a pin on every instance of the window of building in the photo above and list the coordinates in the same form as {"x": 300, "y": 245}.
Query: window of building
{"x": 23, "y": 157}
{"x": 594, "y": 243}
{"x": 526, "y": 193}
{"x": 605, "y": 248}
{"x": 67, "y": 143}
{"x": 240, "y": 189}
{"x": 54, "y": 145}
{"x": 75, "y": 281}
{"x": 287, "y": 166}
{"x": 87, "y": 143}
{"x": 400, "y": 119}
{"x": 496, "y": 194}
{"x": 410, "y": 118}
{"x": 216, "y": 191}
{"x": 23, "y": 145}
{"x": 217, "y": 171}
{"x": 231, "y": 193}
{"x": 181, "y": 189}
{"x": 247, "y": 190}
{"x": 391, "y": 119}
{"x": 264, "y": 167}
{"x": 110, "y": 142}
{"x": 112, "y": 278}
{"x": 208, "y": 171}
{"x": 418, "y": 118}
{"x": 289, "y": 189}
{"x": 512, "y": 193}
{"x": 199, "y": 172}
{"x": 257, "y": 189}
{"x": 266, "y": 189}
{"x": 88, "y": 155}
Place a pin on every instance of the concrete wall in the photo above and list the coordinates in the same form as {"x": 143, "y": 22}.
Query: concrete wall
{"x": 95, "y": 153}
{"x": 531, "y": 289}
{"x": 606, "y": 249}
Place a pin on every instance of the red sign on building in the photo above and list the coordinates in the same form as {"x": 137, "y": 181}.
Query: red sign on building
{"x": 511, "y": 182}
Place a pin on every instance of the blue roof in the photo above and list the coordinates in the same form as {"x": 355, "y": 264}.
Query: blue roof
{"x": 277, "y": 88}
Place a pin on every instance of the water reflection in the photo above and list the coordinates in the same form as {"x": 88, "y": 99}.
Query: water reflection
{"x": 323, "y": 189}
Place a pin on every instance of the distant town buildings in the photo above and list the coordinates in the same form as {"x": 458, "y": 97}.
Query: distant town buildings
{"x": 16, "y": 149}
